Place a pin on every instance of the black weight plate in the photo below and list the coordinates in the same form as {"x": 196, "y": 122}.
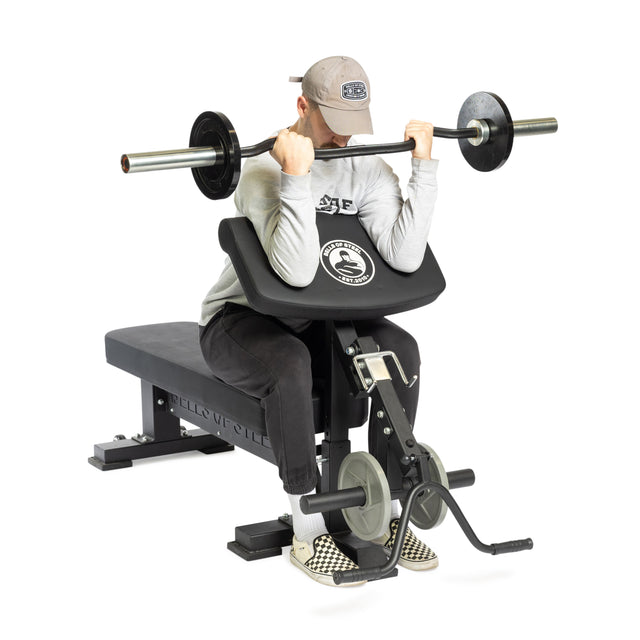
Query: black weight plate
{"x": 494, "y": 153}
{"x": 213, "y": 129}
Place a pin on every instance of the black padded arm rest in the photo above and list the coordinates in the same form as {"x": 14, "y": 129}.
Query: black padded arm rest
{"x": 367, "y": 287}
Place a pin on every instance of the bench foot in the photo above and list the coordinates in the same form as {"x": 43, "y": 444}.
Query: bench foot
{"x": 109, "y": 466}
{"x": 253, "y": 554}
{"x": 120, "y": 453}
{"x": 262, "y": 539}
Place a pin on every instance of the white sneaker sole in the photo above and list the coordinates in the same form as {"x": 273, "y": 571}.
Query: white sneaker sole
{"x": 322, "y": 578}
{"x": 424, "y": 565}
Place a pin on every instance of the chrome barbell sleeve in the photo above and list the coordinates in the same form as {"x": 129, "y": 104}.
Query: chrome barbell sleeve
{"x": 534, "y": 127}
{"x": 175, "y": 159}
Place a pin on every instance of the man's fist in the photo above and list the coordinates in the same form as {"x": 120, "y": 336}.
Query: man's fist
{"x": 293, "y": 152}
{"x": 422, "y": 133}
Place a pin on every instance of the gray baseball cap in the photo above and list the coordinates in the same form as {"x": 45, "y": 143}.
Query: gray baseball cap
{"x": 340, "y": 87}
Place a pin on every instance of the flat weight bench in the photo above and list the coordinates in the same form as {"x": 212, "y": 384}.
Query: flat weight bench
{"x": 352, "y": 283}
{"x": 176, "y": 383}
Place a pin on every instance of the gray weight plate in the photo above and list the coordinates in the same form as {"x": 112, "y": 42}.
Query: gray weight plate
{"x": 429, "y": 509}
{"x": 361, "y": 469}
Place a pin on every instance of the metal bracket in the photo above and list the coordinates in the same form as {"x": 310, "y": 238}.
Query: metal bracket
{"x": 377, "y": 369}
{"x": 143, "y": 439}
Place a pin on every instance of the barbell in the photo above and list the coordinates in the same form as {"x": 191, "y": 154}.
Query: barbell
{"x": 485, "y": 134}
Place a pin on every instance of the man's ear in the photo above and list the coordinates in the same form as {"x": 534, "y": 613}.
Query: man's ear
{"x": 303, "y": 106}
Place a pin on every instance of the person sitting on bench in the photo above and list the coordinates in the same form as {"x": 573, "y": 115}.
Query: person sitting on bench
{"x": 272, "y": 358}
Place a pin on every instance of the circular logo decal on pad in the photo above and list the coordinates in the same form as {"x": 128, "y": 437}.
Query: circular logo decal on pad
{"x": 347, "y": 262}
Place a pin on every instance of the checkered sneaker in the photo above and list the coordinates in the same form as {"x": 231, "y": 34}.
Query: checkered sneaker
{"x": 323, "y": 561}
{"x": 415, "y": 553}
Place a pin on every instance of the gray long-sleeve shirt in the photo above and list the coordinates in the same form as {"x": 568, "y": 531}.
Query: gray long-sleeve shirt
{"x": 282, "y": 209}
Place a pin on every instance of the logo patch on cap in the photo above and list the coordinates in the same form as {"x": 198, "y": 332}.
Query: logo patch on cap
{"x": 356, "y": 90}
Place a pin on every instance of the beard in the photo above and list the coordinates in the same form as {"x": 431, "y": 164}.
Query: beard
{"x": 329, "y": 145}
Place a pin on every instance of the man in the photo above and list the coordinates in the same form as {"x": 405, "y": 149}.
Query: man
{"x": 271, "y": 358}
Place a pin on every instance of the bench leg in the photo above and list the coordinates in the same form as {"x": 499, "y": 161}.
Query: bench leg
{"x": 161, "y": 435}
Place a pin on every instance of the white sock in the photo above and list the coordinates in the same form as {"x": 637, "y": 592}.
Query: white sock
{"x": 395, "y": 509}
{"x": 306, "y": 527}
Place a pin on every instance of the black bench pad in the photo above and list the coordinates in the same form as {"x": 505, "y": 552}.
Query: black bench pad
{"x": 168, "y": 356}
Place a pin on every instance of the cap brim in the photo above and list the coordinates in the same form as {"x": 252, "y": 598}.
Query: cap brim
{"x": 347, "y": 123}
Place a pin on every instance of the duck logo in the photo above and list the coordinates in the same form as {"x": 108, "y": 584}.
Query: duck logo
{"x": 347, "y": 262}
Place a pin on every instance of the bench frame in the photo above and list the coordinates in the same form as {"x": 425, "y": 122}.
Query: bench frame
{"x": 163, "y": 434}
{"x": 325, "y": 299}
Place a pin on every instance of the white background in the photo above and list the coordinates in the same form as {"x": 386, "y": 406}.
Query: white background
{"x": 530, "y": 356}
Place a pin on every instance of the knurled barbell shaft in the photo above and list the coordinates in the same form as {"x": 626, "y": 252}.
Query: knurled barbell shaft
{"x": 364, "y": 149}
{"x": 208, "y": 156}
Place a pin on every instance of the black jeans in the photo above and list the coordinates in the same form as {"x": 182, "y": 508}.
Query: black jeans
{"x": 265, "y": 359}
